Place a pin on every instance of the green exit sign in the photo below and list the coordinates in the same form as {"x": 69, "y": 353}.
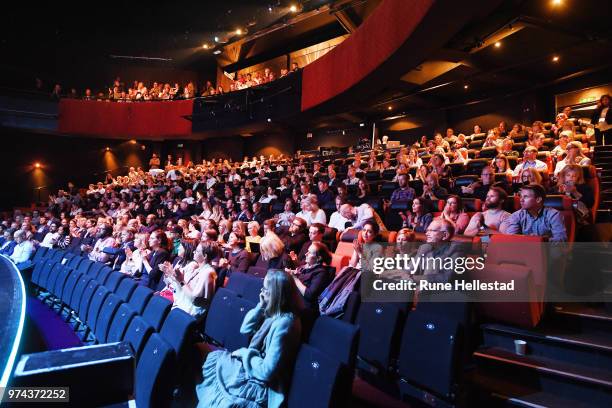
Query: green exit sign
{"x": 588, "y": 99}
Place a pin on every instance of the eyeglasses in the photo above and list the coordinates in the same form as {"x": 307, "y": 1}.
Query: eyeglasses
{"x": 433, "y": 230}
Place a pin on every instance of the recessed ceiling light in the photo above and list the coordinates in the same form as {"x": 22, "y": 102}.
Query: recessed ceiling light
{"x": 466, "y": 86}
{"x": 497, "y": 44}
{"x": 216, "y": 39}
{"x": 217, "y": 52}
{"x": 556, "y": 58}
{"x": 361, "y": 124}
{"x": 37, "y": 165}
{"x": 293, "y": 8}
{"x": 389, "y": 107}
{"x": 238, "y": 31}
{"x": 557, "y": 2}
{"x": 205, "y": 46}
{"x": 269, "y": 120}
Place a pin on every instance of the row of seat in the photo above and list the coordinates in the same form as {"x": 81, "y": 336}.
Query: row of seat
{"x": 367, "y": 345}
{"x": 117, "y": 309}
{"x": 104, "y": 306}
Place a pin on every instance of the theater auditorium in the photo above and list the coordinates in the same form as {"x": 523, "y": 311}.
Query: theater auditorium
{"x": 306, "y": 203}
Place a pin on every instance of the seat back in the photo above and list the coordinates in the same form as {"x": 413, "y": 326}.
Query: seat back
{"x": 94, "y": 270}
{"x": 139, "y": 299}
{"x": 103, "y": 274}
{"x": 238, "y": 309}
{"x": 77, "y": 293}
{"x": 85, "y": 265}
{"x": 316, "y": 371}
{"x": 156, "y": 311}
{"x": 60, "y": 282}
{"x": 107, "y": 314}
{"x": 113, "y": 280}
{"x": 69, "y": 286}
{"x": 120, "y": 323}
{"x": 137, "y": 334}
{"x": 430, "y": 341}
{"x": 40, "y": 253}
{"x": 216, "y": 320}
{"x": 48, "y": 280}
{"x": 41, "y": 270}
{"x": 98, "y": 299}
{"x": 336, "y": 338}
{"x": 380, "y": 331}
{"x": 86, "y": 299}
{"x": 155, "y": 374}
{"x": 475, "y": 166}
{"x": 523, "y": 314}
{"x": 237, "y": 282}
{"x": 179, "y": 330}
{"x": 75, "y": 261}
{"x": 125, "y": 289}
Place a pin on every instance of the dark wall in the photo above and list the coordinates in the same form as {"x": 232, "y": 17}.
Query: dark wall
{"x": 236, "y": 147}
{"x": 331, "y": 139}
{"x": 62, "y": 159}
{"x": 525, "y": 108}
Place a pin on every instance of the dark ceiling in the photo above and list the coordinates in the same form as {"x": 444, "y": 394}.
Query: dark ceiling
{"x": 60, "y": 39}
{"x": 540, "y": 43}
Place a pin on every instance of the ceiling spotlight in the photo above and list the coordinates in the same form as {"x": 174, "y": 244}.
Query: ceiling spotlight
{"x": 269, "y": 120}
{"x": 37, "y": 165}
{"x": 205, "y": 46}
{"x": 217, "y": 52}
{"x": 466, "y": 86}
{"x": 107, "y": 149}
{"x": 216, "y": 39}
{"x": 497, "y": 44}
{"x": 389, "y": 107}
{"x": 238, "y": 31}
{"x": 557, "y": 2}
{"x": 344, "y": 132}
{"x": 361, "y": 124}
{"x": 269, "y": 9}
{"x": 293, "y": 8}
{"x": 556, "y": 58}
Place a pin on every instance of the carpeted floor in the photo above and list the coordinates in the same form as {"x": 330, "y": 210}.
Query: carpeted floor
{"x": 55, "y": 333}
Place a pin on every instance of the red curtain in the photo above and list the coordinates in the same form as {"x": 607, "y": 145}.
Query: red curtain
{"x": 131, "y": 120}
{"x": 383, "y": 32}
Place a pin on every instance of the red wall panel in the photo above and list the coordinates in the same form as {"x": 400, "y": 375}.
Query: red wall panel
{"x": 385, "y": 30}
{"x": 111, "y": 119}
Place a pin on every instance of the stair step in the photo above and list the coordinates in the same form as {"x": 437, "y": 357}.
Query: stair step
{"x": 513, "y": 391}
{"x": 548, "y": 366}
{"x": 584, "y": 311}
{"x": 588, "y": 348}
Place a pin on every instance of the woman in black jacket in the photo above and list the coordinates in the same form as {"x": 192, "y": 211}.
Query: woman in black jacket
{"x": 313, "y": 277}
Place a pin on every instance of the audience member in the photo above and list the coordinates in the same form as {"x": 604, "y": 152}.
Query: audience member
{"x": 534, "y": 218}
{"x": 258, "y": 375}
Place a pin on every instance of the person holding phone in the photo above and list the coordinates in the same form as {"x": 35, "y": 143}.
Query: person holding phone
{"x": 258, "y": 375}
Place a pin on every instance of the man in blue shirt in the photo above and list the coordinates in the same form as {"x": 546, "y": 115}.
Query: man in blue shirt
{"x": 535, "y": 219}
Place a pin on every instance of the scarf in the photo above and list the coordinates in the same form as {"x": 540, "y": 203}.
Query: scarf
{"x": 257, "y": 342}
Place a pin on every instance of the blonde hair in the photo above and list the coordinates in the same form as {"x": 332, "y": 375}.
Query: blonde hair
{"x": 571, "y": 168}
{"x": 283, "y": 293}
{"x": 271, "y": 246}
